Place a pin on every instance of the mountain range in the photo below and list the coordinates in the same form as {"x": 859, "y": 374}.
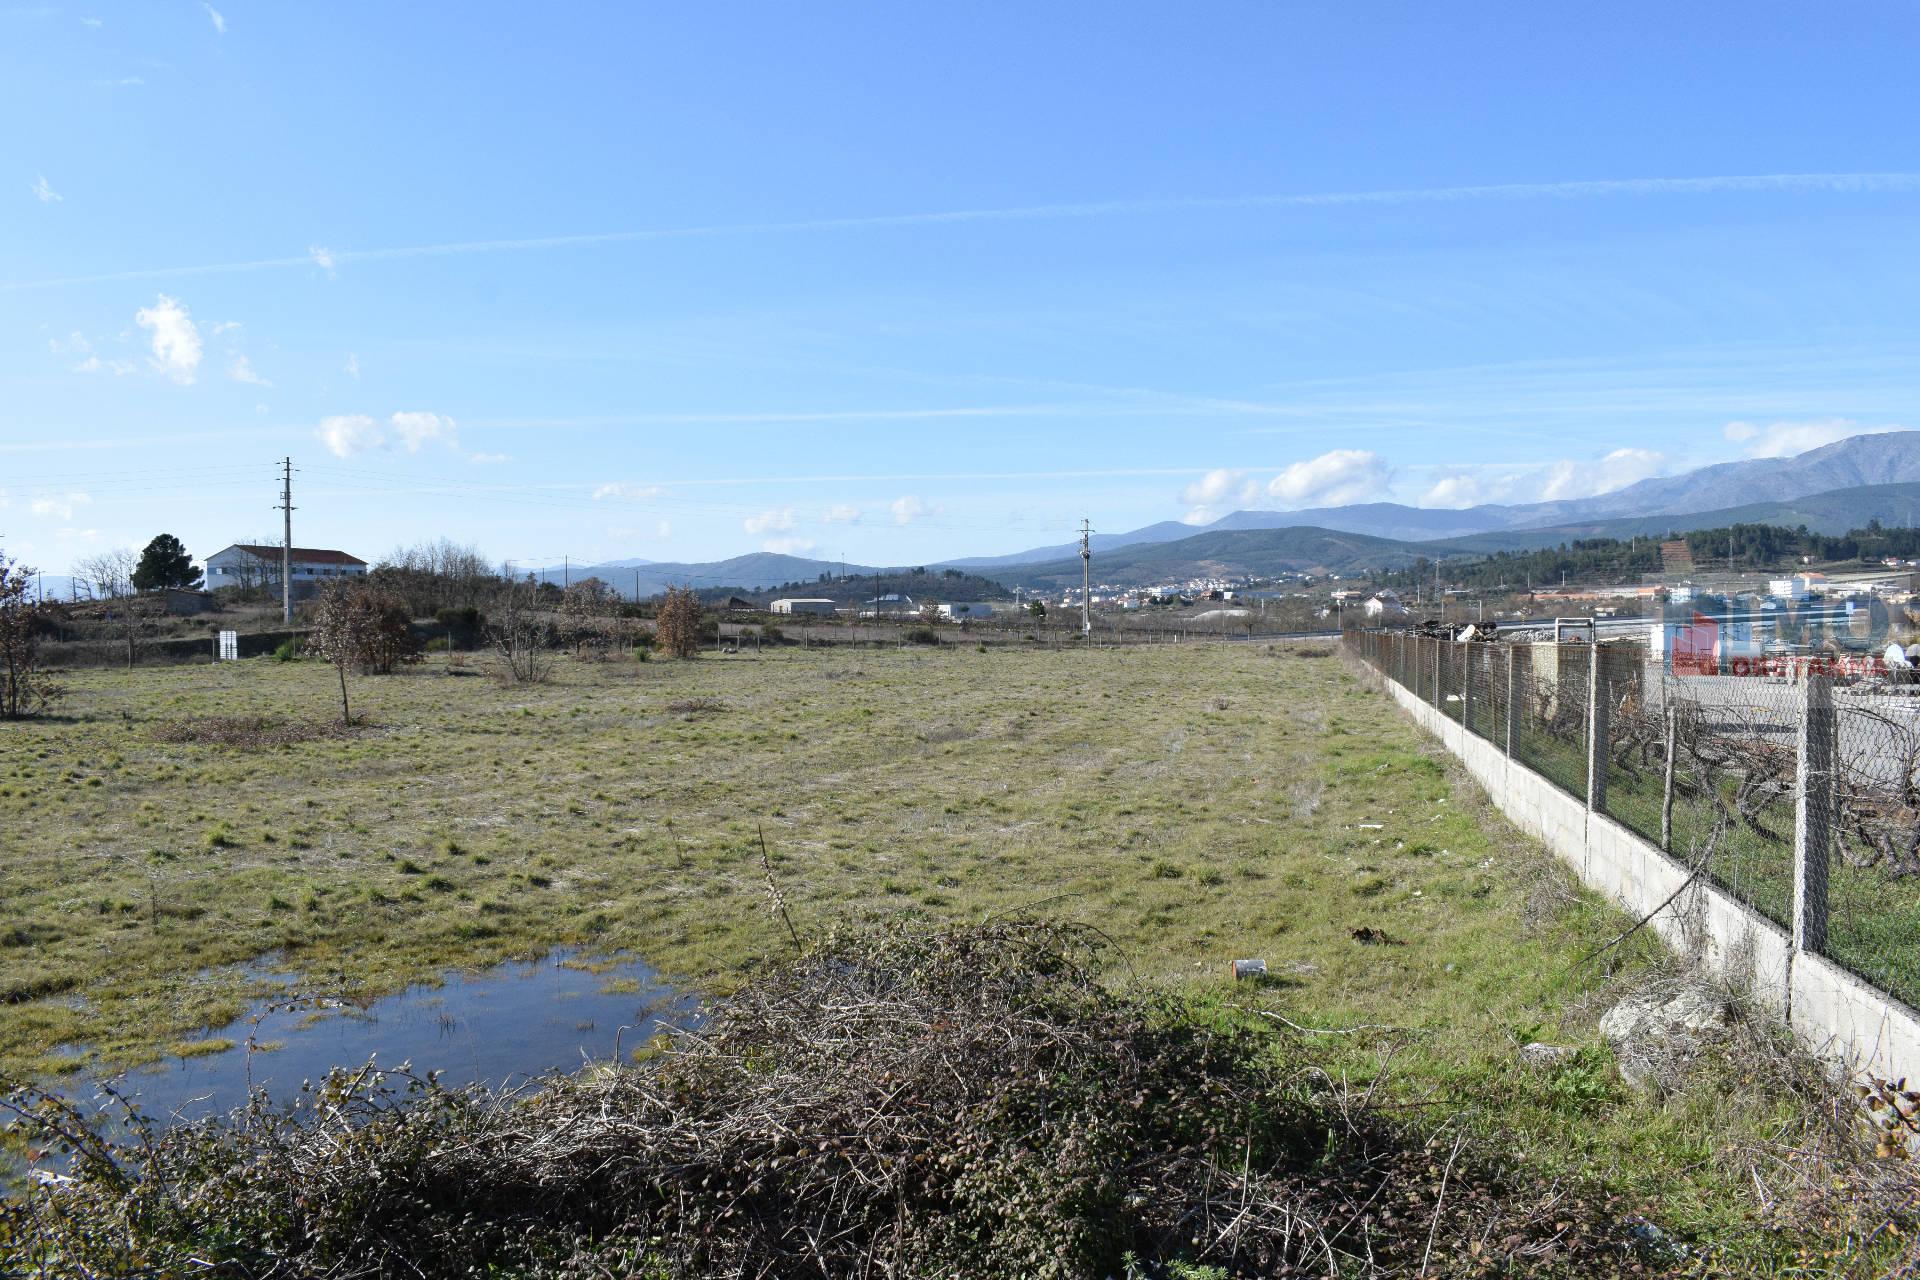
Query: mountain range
{"x": 1889, "y": 458}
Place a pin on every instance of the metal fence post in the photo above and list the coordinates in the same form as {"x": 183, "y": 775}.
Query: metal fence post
{"x": 1813, "y": 813}
{"x": 1597, "y": 750}
{"x": 1439, "y": 694}
{"x": 1513, "y": 696}
{"x": 1466, "y": 687}
{"x": 1666, "y": 785}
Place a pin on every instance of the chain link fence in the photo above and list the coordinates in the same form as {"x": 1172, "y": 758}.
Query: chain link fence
{"x": 1745, "y": 778}
{"x": 1873, "y": 797}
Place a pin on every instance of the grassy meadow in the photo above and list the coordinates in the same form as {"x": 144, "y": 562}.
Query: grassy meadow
{"x": 1197, "y": 802}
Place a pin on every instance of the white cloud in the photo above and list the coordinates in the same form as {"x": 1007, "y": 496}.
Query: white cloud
{"x": 1784, "y": 439}
{"x": 1617, "y": 470}
{"x": 89, "y": 22}
{"x": 666, "y": 529}
{"x": 632, "y": 492}
{"x": 176, "y": 343}
{"x": 841, "y": 513}
{"x": 321, "y": 257}
{"x": 219, "y": 327}
{"x": 1214, "y": 487}
{"x": 241, "y": 370}
{"x": 219, "y": 21}
{"x": 43, "y": 192}
{"x": 352, "y": 367}
{"x": 1334, "y": 478}
{"x": 1209, "y": 495}
{"x": 416, "y": 429}
{"x": 94, "y": 364}
{"x": 347, "y": 434}
{"x": 781, "y": 518}
{"x": 1455, "y": 491}
{"x": 907, "y": 509}
{"x": 787, "y": 546}
{"x": 61, "y": 504}
{"x": 491, "y": 459}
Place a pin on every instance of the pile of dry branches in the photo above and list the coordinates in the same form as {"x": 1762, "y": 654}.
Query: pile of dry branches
{"x": 970, "y": 1102}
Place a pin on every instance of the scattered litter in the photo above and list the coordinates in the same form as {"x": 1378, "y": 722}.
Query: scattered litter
{"x": 1245, "y": 969}
{"x": 1371, "y": 826}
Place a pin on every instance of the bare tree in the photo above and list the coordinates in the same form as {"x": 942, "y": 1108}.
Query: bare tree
{"x": 109, "y": 576}
{"x": 676, "y": 628}
{"x": 25, "y": 689}
{"x": 438, "y": 575}
{"x": 586, "y": 608}
{"x": 360, "y": 624}
{"x": 520, "y": 636}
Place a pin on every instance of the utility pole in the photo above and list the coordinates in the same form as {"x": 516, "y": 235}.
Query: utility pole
{"x": 1086, "y": 578}
{"x": 286, "y": 542}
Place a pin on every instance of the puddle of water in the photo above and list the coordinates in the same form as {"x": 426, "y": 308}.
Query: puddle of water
{"x": 497, "y": 1027}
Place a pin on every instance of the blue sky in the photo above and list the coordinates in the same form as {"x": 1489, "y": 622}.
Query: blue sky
{"x": 899, "y": 282}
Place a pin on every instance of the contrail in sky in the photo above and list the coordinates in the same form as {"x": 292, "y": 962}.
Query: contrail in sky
{"x": 330, "y": 259}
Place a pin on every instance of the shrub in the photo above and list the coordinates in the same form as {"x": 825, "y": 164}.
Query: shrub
{"x": 677, "y": 628}
{"x": 25, "y": 689}
{"x": 972, "y": 1102}
{"x": 922, "y": 635}
{"x": 462, "y": 622}
{"x": 287, "y": 650}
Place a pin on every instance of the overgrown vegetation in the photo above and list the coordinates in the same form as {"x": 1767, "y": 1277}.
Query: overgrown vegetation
{"x": 25, "y": 688}
{"x": 965, "y": 1102}
{"x": 472, "y": 821}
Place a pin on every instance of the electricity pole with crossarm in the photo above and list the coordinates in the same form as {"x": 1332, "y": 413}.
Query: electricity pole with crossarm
{"x": 1086, "y": 578}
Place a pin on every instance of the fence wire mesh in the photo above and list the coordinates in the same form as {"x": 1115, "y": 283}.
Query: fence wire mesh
{"x": 1717, "y": 770}
{"x": 1550, "y": 733}
{"x": 1872, "y": 798}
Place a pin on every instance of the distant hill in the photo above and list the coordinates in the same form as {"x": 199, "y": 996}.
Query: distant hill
{"x": 649, "y": 578}
{"x": 1837, "y": 511}
{"x": 1226, "y": 554}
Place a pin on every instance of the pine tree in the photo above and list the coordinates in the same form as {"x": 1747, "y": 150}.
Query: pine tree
{"x": 165, "y": 563}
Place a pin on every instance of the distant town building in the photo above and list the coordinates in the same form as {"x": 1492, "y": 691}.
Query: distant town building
{"x": 1385, "y": 606}
{"x": 1798, "y": 587}
{"x": 892, "y": 604}
{"x": 819, "y": 607}
{"x": 246, "y": 564}
{"x": 960, "y": 610}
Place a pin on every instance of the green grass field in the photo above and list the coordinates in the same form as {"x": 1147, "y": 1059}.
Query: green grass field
{"x": 1198, "y": 803}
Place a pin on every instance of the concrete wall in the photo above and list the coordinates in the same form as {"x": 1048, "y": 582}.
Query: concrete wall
{"x": 1833, "y": 1012}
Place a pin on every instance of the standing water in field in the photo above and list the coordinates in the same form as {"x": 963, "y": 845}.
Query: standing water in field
{"x": 497, "y": 1027}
